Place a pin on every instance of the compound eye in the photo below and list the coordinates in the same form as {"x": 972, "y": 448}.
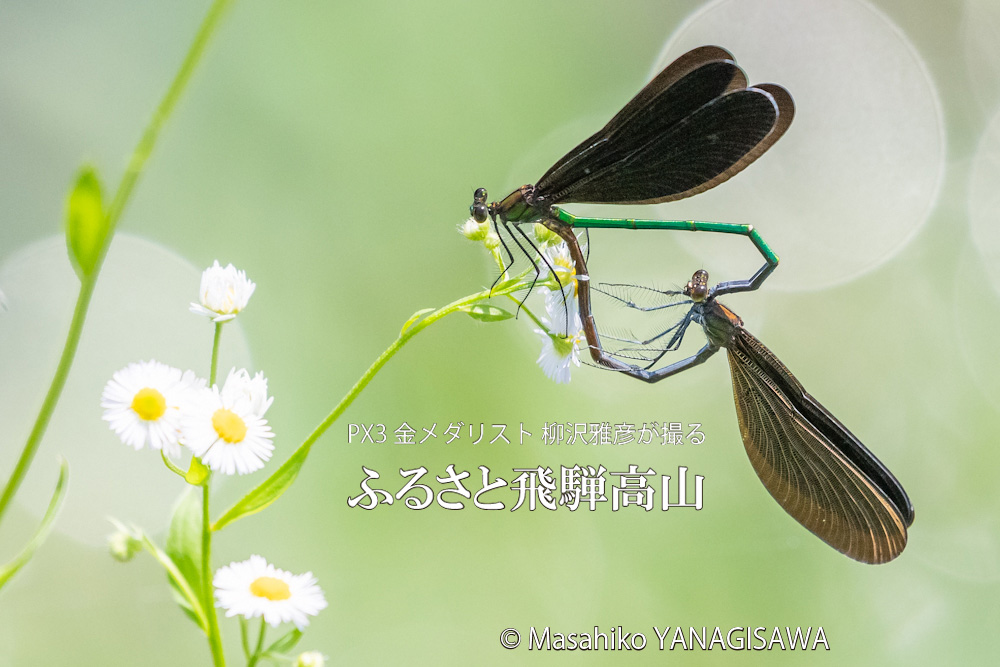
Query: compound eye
{"x": 480, "y": 196}
{"x": 478, "y": 211}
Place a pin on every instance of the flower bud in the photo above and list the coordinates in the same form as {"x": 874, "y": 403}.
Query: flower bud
{"x": 473, "y": 230}
{"x": 123, "y": 545}
{"x": 545, "y": 236}
{"x": 310, "y": 659}
{"x": 86, "y": 223}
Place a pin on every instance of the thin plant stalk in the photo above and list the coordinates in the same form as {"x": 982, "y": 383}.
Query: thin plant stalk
{"x": 255, "y": 658}
{"x": 214, "y": 636}
{"x": 215, "y": 353}
{"x": 391, "y": 351}
{"x": 414, "y": 326}
{"x": 52, "y": 396}
{"x": 87, "y": 284}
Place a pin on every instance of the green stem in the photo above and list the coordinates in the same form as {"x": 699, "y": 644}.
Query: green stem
{"x": 215, "y": 353}
{"x": 214, "y": 638}
{"x": 171, "y": 466}
{"x": 292, "y": 464}
{"x": 166, "y": 107}
{"x": 260, "y": 645}
{"x": 138, "y": 160}
{"x": 504, "y": 288}
{"x": 243, "y": 637}
{"x": 175, "y": 576}
{"x": 527, "y": 310}
{"x": 52, "y": 396}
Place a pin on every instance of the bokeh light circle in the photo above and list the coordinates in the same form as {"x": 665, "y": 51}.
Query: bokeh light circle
{"x": 859, "y": 170}
{"x": 984, "y": 202}
{"x": 139, "y": 311}
{"x": 978, "y": 40}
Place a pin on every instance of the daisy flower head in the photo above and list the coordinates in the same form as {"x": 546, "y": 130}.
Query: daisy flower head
{"x": 223, "y": 429}
{"x": 562, "y": 264}
{"x": 255, "y": 588}
{"x": 561, "y": 307}
{"x": 224, "y": 292}
{"x": 143, "y": 404}
{"x": 559, "y": 352}
{"x": 564, "y": 267}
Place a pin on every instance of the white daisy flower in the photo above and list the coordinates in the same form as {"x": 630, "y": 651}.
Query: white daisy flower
{"x": 562, "y": 263}
{"x": 143, "y": 403}
{"x": 562, "y": 307}
{"x": 224, "y": 293}
{"x": 558, "y": 352}
{"x": 255, "y": 588}
{"x": 223, "y": 428}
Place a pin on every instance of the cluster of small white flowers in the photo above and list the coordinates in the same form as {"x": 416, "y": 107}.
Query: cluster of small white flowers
{"x": 151, "y": 403}
{"x": 562, "y": 336}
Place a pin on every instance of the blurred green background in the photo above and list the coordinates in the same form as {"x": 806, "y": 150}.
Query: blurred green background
{"x": 330, "y": 150}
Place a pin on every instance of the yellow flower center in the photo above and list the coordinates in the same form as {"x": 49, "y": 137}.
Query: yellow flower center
{"x": 566, "y": 272}
{"x": 149, "y": 404}
{"x": 229, "y": 425}
{"x": 270, "y": 588}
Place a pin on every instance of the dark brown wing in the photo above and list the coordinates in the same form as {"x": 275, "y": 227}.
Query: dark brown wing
{"x": 811, "y": 464}
{"x": 721, "y": 76}
{"x": 692, "y": 127}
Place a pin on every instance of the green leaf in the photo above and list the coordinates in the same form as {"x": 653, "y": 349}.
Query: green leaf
{"x": 485, "y": 313}
{"x": 267, "y": 492}
{"x": 8, "y": 571}
{"x": 285, "y": 643}
{"x": 414, "y": 318}
{"x": 185, "y": 594}
{"x": 186, "y": 607}
{"x": 184, "y": 542}
{"x": 86, "y": 222}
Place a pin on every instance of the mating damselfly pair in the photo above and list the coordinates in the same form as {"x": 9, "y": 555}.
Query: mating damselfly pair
{"x": 695, "y": 125}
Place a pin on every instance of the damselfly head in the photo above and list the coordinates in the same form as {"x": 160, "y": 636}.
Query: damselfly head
{"x": 697, "y": 287}
{"x": 478, "y": 209}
